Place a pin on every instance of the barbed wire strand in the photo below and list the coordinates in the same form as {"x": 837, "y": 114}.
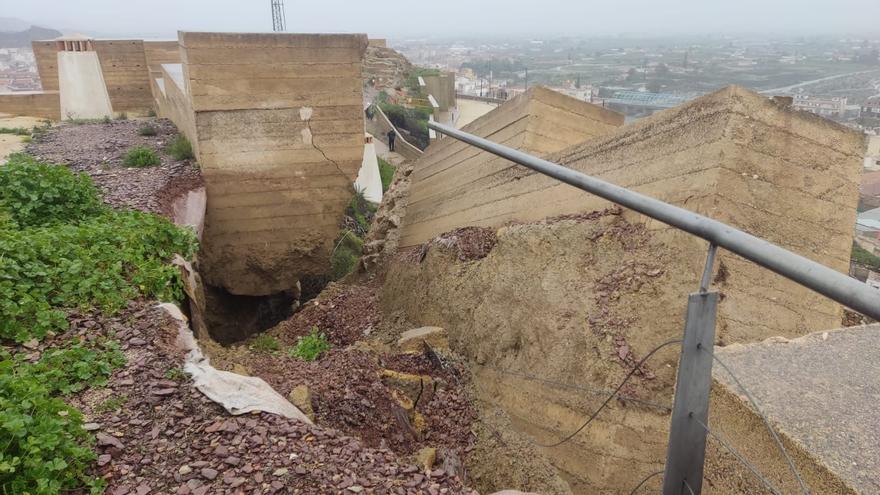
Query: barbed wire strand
{"x": 776, "y": 439}
{"x": 594, "y": 391}
{"x": 739, "y": 457}
{"x": 612, "y": 395}
{"x": 644, "y": 480}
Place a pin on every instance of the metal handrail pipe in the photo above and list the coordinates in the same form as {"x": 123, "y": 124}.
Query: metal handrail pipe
{"x": 804, "y": 271}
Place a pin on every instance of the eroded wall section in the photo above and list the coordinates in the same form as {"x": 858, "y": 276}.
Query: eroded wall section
{"x": 280, "y": 127}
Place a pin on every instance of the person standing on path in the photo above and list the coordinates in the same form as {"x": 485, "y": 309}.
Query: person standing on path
{"x": 391, "y": 137}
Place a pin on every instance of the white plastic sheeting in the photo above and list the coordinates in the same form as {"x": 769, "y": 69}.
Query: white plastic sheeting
{"x": 236, "y": 393}
{"x": 369, "y": 180}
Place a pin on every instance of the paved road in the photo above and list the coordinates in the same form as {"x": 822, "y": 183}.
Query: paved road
{"x": 786, "y": 89}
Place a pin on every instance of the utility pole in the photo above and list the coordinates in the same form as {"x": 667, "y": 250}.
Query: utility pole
{"x": 279, "y": 23}
{"x": 527, "y": 79}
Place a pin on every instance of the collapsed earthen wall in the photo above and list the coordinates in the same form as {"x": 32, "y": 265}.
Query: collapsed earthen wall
{"x": 280, "y": 129}
{"x": 579, "y": 300}
{"x": 451, "y": 180}
{"x": 40, "y": 104}
{"x": 126, "y": 76}
{"x": 157, "y": 53}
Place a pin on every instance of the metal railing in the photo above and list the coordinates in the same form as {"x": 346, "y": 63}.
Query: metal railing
{"x": 685, "y": 457}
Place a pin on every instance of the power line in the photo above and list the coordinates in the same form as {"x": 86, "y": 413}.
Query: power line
{"x": 739, "y": 457}
{"x": 644, "y": 480}
{"x": 776, "y": 439}
{"x": 612, "y": 395}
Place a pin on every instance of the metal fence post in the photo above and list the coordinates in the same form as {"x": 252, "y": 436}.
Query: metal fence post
{"x": 687, "y": 439}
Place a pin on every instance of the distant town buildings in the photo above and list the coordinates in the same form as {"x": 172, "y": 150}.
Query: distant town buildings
{"x": 826, "y": 106}
{"x": 18, "y": 70}
{"x": 871, "y": 107}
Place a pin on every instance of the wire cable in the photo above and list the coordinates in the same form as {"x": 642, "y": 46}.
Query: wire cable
{"x": 739, "y": 457}
{"x": 612, "y": 395}
{"x": 776, "y": 439}
{"x": 644, "y": 480}
{"x": 688, "y": 486}
{"x": 594, "y": 391}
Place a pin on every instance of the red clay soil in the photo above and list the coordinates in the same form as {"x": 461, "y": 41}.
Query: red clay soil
{"x": 344, "y": 313}
{"x": 168, "y": 438}
{"x": 99, "y": 149}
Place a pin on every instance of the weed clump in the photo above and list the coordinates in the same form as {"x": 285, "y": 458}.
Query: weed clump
{"x": 147, "y": 130}
{"x": 311, "y": 346}
{"x": 265, "y": 343}
{"x": 180, "y": 148}
{"x": 141, "y": 156}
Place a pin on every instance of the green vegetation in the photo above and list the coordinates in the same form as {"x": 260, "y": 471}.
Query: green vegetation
{"x": 412, "y": 120}
{"x": 18, "y": 131}
{"x": 75, "y": 366}
{"x": 26, "y": 139}
{"x": 147, "y": 130}
{"x": 60, "y": 248}
{"x": 151, "y": 113}
{"x": 386, "y": 172}
{"x": 112, "y": 404}
{"x": 265, "y": 343}
{"x": 176, "y": 374}
{"x": 122, "y": 116}
{"x": 310, "y": 347}
{"x": 346, "y": 254}
{"x": 180, "y": 148}
{"x": 412, "y": 79}
{"x": 864, "y": 257}
{"x": 46, "y": 450}
{"x": 141, "y": 156}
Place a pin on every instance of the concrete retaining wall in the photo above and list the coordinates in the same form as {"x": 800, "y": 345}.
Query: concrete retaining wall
{"x": 40, "y": 104}
{"x": 124, "y": 65}
{"x": 452, "y": 182}
{"x": 45, "y": 53}
{"x": 379, "y": 127}
{"x": 442, "y": 87}
{"x": 280, "y": 131}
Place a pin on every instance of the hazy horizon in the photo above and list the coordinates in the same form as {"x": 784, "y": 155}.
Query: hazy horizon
{"x": 458, "y": 18}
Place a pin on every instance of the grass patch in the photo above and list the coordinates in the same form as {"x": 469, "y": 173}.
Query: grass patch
{"x": 310, "y": 347}
{"x": 265, "y": 343}
{"x": 386, "y": 172}
{"x": 111, "y": 404}
{"x": 147, "y": 130}
{"x": 27, "y": 139}
{"x": 122, "y": 116}
{"x": 180, "y": 148}
{"x": 865, "y": 258}
{"x": 141, "y": 156}
{"x": 18, "y": 131}
{"x": 346, "y": 254}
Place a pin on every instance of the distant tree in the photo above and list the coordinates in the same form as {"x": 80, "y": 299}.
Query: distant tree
{"x": 662, "y": 70}
{"x": 685, "y": 62}
{"x": 577, "y": 82}
{"x": 653, "y": 86}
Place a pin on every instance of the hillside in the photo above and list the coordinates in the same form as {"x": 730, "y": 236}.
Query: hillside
{"x": 23, "y": 39}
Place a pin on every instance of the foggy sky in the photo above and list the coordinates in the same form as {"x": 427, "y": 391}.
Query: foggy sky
{"x": 443, "y": 18}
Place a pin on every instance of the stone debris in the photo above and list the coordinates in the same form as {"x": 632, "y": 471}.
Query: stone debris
{"x": 414, "y": 340}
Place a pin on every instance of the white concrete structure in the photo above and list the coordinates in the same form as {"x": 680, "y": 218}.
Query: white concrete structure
{"x": 81, "y": 84}
{"x": 369, "y": 180}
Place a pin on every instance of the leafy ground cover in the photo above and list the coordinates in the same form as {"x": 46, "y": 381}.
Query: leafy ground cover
{"x": 61, "y": 250}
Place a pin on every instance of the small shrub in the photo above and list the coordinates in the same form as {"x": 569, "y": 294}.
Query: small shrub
{"x": 141, "y": 156}
{"x": 864, "y": 257}
{"x": 151, "y": 113}
{"x": 35, "y": 194}
{"x": 345, "y": 256}
{"x": 176, "y": 374}
{"x": 180, "y": 148}
{"x": 147, "y": 130}
{"x": 311, "y": 346}
{"x": 386, "y": 172}
{"x": 26, "y": 139}
{"x": 45, "y": 449}
{"x": 106, "y": 120}
{"x": 122, "y": 116}
{"x": 265, "y": 343}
